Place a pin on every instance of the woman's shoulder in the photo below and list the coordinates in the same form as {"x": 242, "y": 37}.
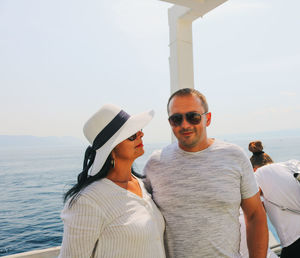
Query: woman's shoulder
{"x": 100, "y": 186}
{"x": 97, "y": 192}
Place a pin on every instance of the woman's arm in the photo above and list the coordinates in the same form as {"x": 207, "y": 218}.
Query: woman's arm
{"x": 83, "y": 224}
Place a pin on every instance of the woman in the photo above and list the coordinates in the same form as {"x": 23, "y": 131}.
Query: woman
{"x": 259, "y": 157}
{"x": 108, "y": 213}
{"x": 281, "y": 193}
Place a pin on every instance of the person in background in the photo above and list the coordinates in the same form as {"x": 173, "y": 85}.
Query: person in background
{"x": 199, "y": 184}
{"x": 259, "y": 158}
{"x": 108, "y": 212}
{"x": 281, "y": 194}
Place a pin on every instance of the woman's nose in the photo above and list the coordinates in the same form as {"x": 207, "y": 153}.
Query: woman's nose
{"x": 140, "y": 133}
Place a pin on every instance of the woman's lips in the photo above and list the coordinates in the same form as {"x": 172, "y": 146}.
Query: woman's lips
{"x": 140, "y": 145}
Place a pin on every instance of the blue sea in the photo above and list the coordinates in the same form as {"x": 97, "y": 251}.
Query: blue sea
{"x": 33, "y": 180}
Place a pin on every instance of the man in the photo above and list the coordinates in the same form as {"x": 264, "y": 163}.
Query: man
{"x": 199, "y": 183}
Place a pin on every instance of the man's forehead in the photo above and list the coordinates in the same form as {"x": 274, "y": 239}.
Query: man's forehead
{"x": 185, "y": 103}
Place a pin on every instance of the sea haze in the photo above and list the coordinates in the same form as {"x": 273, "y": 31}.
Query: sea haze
{"x": 29, "y": 140}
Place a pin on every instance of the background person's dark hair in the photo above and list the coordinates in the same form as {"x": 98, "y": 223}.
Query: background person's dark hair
{"x": 83, "y": 180}
{"x": 259, "y": 157}
{"x": 189, "y": 91}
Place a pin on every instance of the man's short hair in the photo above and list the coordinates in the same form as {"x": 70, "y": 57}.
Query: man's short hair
{"x": 189, "y": 91}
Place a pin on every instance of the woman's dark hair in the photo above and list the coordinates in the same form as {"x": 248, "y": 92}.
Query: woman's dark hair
{"x": 259, "y": 157}
{"x": 83, "y": 180}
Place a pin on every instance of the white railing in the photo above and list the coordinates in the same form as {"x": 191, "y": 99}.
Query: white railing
{"x": 52, "y": 252}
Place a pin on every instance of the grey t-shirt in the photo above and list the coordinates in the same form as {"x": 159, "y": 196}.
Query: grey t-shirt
{"x": 199, "y": 195}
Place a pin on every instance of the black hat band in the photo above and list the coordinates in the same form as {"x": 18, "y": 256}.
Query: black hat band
{"x": 110, "y": 129}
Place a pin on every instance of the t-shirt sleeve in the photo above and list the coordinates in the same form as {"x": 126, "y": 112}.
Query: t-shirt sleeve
{"x": 83, "y": 223}
{"x": 248, "y": 184}
{"x": 149, "y": 170}
{"x": 258, "y": 178}
{"x": 147, "y": 184}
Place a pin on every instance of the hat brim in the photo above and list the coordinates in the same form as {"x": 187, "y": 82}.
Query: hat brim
{"x": 132, "y": 126}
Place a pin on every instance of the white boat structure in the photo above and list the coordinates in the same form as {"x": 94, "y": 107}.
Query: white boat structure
{"x": 52, "y": 252}
{"x": 181, "y": 16}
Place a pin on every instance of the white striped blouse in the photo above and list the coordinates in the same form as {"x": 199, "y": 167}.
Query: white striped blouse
{"x": 109, "y": 221}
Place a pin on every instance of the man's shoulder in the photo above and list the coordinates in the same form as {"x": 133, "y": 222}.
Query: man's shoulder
{"x": 227, "y": 146}
{"x": 158, "y": 155}
{"x": 155, "y": 156}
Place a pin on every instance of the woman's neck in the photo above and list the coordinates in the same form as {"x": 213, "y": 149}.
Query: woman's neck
{"x": 120, "y": 173}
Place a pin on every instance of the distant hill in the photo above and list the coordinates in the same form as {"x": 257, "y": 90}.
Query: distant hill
{"x": 292, "y": 133}
{"x": 28, "y": 140}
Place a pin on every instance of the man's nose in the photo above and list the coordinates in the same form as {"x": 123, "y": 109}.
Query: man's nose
{"x": 185, "y": 124}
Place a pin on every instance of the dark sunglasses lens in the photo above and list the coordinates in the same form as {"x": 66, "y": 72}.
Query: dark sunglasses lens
{"x": 176, "y": 119}
{"x": 193, "y": 118}
{"x": 132, "y": 137}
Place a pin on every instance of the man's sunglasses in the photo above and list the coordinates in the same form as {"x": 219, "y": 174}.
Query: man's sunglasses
{"x": 193, "y": 118}
{"x": 134, "y": 136}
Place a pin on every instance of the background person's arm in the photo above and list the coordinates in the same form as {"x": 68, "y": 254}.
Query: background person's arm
{"x": 256, "y": 226}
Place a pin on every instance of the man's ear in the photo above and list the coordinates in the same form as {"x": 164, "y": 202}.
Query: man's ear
{"x": 208, "y": 118}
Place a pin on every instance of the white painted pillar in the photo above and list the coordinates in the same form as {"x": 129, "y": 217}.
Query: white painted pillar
{"x": 181, "y": 16}
{"x": 181, "y": 49}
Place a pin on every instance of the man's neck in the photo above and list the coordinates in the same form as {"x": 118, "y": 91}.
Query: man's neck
{"x": 199, "y": 147}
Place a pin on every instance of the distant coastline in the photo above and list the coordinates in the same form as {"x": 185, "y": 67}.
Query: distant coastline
{"x": 289, "y": 133}
{"x": 29, "y": 140}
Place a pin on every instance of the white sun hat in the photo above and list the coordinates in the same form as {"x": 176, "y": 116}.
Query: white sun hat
{"x": 108, "y": 127}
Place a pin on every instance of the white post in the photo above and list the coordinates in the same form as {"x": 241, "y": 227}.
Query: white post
{"x": 181, "y": 49}
{"x": 181, "y": 16}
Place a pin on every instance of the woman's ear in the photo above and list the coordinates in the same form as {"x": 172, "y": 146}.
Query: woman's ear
{"x": 113, "y": 155}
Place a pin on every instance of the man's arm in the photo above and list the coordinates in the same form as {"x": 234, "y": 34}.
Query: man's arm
{"x": 256, "y": 226}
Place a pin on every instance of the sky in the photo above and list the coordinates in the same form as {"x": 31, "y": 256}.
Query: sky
{"x": 61, "y": 60}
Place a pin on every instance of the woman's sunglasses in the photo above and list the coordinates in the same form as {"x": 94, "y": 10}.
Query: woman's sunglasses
{"x": 134, "y": 136}
{"x": 193, "y": 118}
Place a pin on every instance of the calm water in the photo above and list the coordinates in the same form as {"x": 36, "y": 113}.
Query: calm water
{"x": 33, "y": 180}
